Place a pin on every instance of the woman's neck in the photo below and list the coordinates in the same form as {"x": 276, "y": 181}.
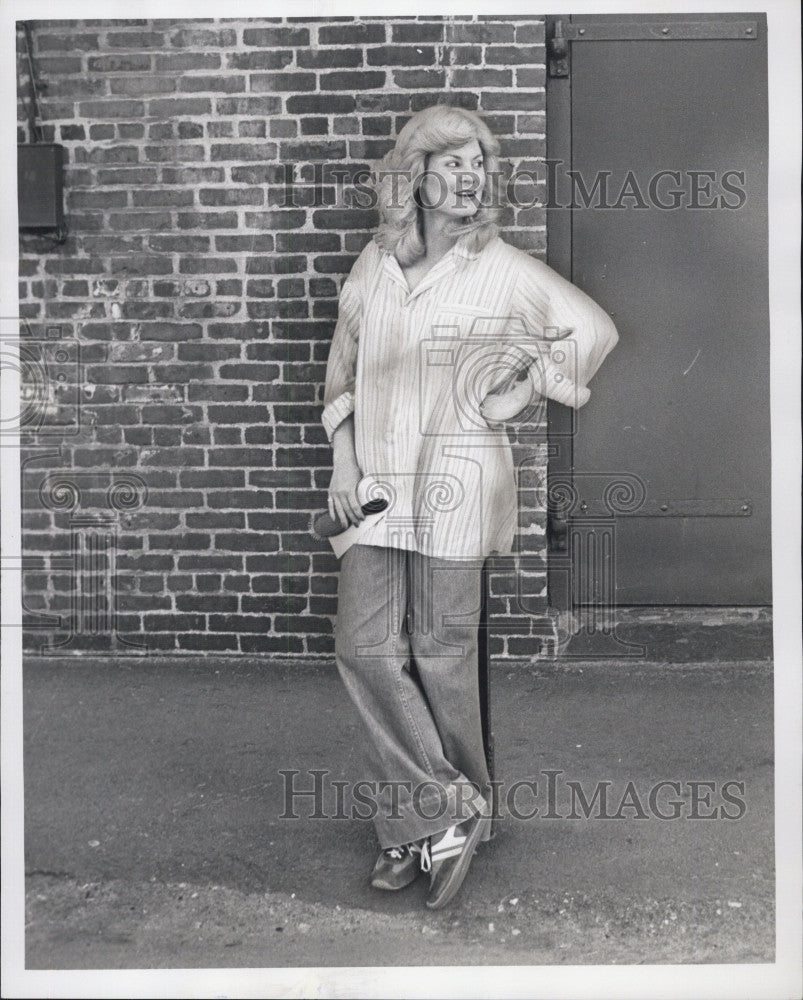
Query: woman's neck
{"x": 439, "y": 236}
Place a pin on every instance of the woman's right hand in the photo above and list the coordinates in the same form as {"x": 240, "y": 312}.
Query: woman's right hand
{"x": 343, "y": 503}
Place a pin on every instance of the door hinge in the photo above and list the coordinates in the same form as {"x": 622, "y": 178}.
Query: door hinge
{"x": 558, "y": 50}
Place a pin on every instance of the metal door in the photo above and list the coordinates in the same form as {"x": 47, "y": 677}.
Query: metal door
{"x": 660, "y": 485}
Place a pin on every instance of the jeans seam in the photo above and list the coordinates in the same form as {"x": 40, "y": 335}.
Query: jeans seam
{"x": 414, "y": 727}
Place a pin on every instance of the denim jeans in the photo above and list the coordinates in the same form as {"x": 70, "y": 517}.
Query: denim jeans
{"x": 423, "y": 734}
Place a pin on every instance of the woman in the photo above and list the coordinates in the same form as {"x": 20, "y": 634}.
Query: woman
{"x": 437, "y": 312}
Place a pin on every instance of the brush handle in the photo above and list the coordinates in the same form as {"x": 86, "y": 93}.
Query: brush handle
{"x": 323, "y": 525}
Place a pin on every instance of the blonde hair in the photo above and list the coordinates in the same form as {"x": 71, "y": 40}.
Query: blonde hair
{"x": 399, "y": 173}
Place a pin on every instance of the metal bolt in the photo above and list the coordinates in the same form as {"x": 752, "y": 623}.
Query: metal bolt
{"x": 664, "y": 506}
{"x": 664, "y": 31}
{"x": 745, "y": 507}
{"x": 584, "y": 506}
{"x": 748, "y": 31}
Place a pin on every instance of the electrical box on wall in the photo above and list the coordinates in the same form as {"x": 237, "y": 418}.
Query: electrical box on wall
{"x": 40, "y": 169}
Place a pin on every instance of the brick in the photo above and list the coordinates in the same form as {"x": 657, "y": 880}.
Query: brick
{"x": 170, "y": 414}
{"x": 530, "y": 34}
{"x": 352, "y": 34}
{"x": 531, "y": 77}
{"x": 352, "y": 81}
{"x": 484, "y": 34}
{"x": 61, "y": 65}
{"x": 212, "y": 478}
{"x": 324, "y": 104}
{"x": 520, "y": 101}
{"x": 250, "y": 372}
{"x": 117, "y": 374}
{"x": 290, "y": 288}
{"x": 345, "y": 219}
{"x": 483, "y": 78}
{"x": 419, "y": 78}
{"x": 206, "y": 220}
{"x": 180, "y": 62}
{"x": 271, "y": 644}
{"x": 207, "y": 641}
{"x": 223, "y": 83}
{"x": 170, "y": 107}
{"x": 301, "y": 623}
{"x": 228, "y": 435}
{"x": 294, "y": 242}
{"x": 280, "y": 477}
{"x": 111, "y": 109}
{"x": 177, "y": 499}
{"x": 401, "y": 55}
{"x": 203, "y": 38}
{"x": 171, "y": 457}
{"x": 240, "y": 457}
{"x": 238, "y": 414}
{"x": 285, "y": 520}
{"x": 66, "y": 41}
{"x": 321, "y": 58}
{"x": 283, "y": 37}
{"x": 174, "y": 623}
{"x": 251, "y": 129}
{"x": 260, "y": 288}
{"x": 170, "y": 331}
{"x": 314, "y": 126}
{"x": 208, "y": 352}
{"x": 418, "y": 32}
{"x": 192, "y": 175}
{"x": 321, "y": 644}
{"x": 263, "y": 104}
{"x": 286, "y": 457}
{"x": 244, "y": 151}
{"x": 283, "y": 128}
{"x": 509, "y": 55}
{"x": 209, "y": 562}
{"x": 207, "y": 603}
{"x": 290, "y": 82}
{"x": 201, "y": 392}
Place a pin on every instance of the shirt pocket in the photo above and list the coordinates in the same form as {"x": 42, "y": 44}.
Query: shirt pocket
{"x": 457, "y": 319}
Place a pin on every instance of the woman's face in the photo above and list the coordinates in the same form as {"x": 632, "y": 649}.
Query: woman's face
{"x": 453, "y": 181}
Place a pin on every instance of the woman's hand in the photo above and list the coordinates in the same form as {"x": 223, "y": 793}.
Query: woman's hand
{"x": 496, "y": 408}
{"x": 343, "y": 503}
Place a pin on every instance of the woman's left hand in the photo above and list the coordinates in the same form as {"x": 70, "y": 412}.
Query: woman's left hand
{"x": 497, "y": 408}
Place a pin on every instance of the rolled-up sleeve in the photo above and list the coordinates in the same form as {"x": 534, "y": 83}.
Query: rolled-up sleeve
{"x": 338, "y": 397}
{"x": 567, "y": 331}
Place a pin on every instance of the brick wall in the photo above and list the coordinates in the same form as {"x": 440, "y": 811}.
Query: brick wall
{"x": 169, "y": 477}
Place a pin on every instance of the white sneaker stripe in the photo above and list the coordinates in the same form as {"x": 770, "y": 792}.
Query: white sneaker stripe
{"x": 442, "y": 855}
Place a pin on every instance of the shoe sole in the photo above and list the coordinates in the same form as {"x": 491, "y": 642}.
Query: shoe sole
{"x": 460, "y": 869}
{"x": 379, "y": 884}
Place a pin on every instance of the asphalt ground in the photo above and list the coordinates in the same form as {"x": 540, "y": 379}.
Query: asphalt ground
{"x": 155, "y": 837}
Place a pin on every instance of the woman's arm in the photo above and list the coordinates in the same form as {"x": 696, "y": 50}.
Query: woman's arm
{"x": 338, "y": 411}
{"x": 346, "y": 474}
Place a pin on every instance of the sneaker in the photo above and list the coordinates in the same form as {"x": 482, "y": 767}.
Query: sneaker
{"x": 396, "y": 867}
{"x": 448, "y": 856}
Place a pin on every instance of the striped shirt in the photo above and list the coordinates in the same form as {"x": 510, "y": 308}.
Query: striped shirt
{"x": 414, "y": 367}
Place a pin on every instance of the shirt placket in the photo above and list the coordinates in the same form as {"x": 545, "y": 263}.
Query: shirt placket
{"x": 412, "y": 419}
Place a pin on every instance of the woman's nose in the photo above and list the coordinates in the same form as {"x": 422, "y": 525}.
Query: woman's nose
{"x": 468, "y": 183}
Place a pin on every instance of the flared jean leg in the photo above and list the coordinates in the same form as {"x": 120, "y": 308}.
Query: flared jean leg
{"x": 446, "y": 602}
{"x": 420, "y": 790}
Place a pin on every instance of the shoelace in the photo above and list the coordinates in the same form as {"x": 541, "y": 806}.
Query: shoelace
{"x": 423, "y": 850}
